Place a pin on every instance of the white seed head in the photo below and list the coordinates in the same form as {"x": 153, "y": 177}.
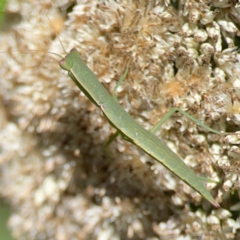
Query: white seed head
{"x": 189, "y": 29}
{"x": 200, "y": 35}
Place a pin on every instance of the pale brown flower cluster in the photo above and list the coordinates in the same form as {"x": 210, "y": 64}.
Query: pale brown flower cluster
{"x": 54, "y": 169}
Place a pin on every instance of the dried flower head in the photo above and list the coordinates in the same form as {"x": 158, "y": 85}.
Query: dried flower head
{"x": 55, "y": 172}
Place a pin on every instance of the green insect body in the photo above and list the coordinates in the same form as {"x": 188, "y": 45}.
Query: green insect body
{"x": 127, "y": 126}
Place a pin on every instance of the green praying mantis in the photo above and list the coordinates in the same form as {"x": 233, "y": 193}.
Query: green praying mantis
{"x": 128, "y": 128}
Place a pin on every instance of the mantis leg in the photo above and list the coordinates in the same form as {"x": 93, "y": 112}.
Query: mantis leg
{"x": 122, "y": 78}
{"x": 169, "y": 114}
{"x": 110, "y": 140}
{"x": 175, "y": 109}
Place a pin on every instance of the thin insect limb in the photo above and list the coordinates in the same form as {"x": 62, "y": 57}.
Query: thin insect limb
{"x": 52, "y": 27}
{"x": 111, "y": 139}
{"x": 122, "y": 78}
{"x": 168, "y": 114}
{"x": 30, "y": 50}
{"x": 175, "y": 109}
